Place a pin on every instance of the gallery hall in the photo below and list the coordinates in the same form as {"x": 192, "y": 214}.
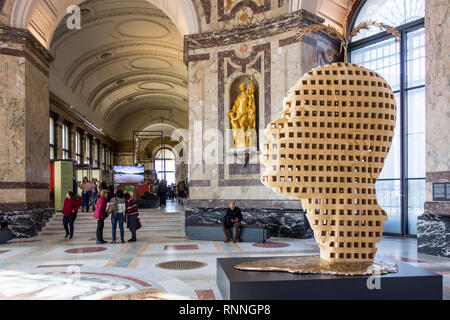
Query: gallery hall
{"x": 224, "y": 150}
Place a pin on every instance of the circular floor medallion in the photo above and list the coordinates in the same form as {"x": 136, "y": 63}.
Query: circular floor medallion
{"x": 181, "y": 265}
{"x": 85, "y": 250}
{"x": 271, "y": 245}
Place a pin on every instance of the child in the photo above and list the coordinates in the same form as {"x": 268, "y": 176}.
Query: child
{"x": 70, "y": 210}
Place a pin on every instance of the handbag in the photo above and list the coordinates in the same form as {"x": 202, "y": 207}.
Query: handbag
{"x": 111, "y": 207}
{"x": 138, "y": 224}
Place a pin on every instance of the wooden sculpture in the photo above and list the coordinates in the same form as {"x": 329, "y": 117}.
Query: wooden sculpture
{"x": 328, "y": 149}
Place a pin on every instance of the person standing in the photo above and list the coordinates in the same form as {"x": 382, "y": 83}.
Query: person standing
{"x": 117, "y": 216}
{"x": 162, "y": 190}
{"x": 94, "y": 195}
{"x": 103, "y": 185}
{"x": 86, "y": 188}
{"x": 69, "y": 211}
{"x": 100, "y": 213}
{"x": 233, "y": 220}
{"x": 132, "y": 215}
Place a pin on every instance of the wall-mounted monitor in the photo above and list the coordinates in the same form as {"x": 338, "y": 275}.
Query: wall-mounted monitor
{"x": 129, "y": 174}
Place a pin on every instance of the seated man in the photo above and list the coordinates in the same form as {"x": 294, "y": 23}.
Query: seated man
{"x": 5, "y": 233}
{"x": 233, "y": 219}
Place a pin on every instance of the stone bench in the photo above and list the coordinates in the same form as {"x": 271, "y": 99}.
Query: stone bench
{"x": 213, "y": 232}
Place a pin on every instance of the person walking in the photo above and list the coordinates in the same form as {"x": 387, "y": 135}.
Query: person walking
{"x": 181, "y": 187}
{"x": 233, "y": 220}
{"x": 69, "y": 211}
{"x": 86, "y": 188}
{"x": 132, "y": 215}
{"x": 162, "y": 190}
{"x": 117, "y": 215}
{"x": 94, "y": 195}
{"x": 100, "y": 214}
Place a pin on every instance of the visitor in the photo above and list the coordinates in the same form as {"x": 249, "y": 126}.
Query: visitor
{"x": 117, "y": 215}
{"x": 132, "y": 215}
{"x": 69, "y": 211}
{"x": 86, "y": 188}
{"x": 162, "y": 190}
{"x": 94, "y": 196}
{"x": 103, "y": 185}
{"x": 233, "y": 219}
{"x": 100, "y": 214}
{"x": 110, "y": 192}
{"x": 5, "y": 233}
{"x": 181, "y": 187}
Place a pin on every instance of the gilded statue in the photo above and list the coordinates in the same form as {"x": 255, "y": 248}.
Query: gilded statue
{"x": 243, "y": 117}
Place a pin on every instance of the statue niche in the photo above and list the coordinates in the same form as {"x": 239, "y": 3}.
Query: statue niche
{"x": 243, "y": 114}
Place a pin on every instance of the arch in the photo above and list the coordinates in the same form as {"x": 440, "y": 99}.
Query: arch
{"x": 42, "y": 17}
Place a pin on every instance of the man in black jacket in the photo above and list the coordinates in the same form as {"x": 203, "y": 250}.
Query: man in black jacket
{"x": 233, "y": 219}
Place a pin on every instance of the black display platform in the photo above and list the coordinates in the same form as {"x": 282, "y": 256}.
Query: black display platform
{"x": 409, "y": 283}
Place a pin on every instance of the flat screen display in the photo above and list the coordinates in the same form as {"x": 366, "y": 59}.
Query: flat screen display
{"x": 128, "y": 174}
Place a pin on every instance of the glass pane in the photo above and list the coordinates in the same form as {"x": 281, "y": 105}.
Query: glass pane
{"x": 416, "y": 200}
{"x": 416, "y": 58}
{"x": 170, "y": 177}
{"x": 382, "y": 57}
{"x": 159, "y": 165}
{"x": 391, "y": 12}
{"x": 52, "y": 131}
{"x": 388, "y": 197}
{"x": 391, "y": 168}
{"x": 416, "y": 133}
{"x": 170, "y": 165}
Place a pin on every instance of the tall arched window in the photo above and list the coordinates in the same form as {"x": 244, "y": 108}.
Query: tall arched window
{"x": 401, "y": 185}
{"x": 165, "y": 165}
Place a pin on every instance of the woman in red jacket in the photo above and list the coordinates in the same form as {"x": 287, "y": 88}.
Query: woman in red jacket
{"x": 100, "y": 209}
{"x": 70, "y": 210}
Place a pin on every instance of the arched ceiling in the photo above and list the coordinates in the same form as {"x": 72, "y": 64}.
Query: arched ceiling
{"x": 127, "y": 59}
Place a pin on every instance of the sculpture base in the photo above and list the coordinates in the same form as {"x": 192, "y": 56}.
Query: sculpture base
{"x": 313, "y": 264}
{"x": 408, "y": 283}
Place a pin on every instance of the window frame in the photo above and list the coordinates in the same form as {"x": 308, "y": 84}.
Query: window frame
{"x": 78, "y": 147}
{"x": 52, "y": 125}
{"x": 65, "y": 141}
{"x": 403, "y": 90}
{"x": 164, "y": 163}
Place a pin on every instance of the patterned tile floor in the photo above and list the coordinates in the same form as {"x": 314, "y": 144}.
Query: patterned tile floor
{"x": 50, "y": 267}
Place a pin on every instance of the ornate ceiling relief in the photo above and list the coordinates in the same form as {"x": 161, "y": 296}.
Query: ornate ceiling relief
{"x": 125, "y": 60}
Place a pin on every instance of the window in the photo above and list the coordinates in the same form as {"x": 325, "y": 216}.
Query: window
{"x": 88, "y": 151}
{"x": 401, "y": 185}
{"x": 96, "y": 146}
{"x": 65, "y": 142}
{"x": 52, "y": 139}
{"x": 78, "y": 147}
{"x": 103, "y": 158}
{"x": 165, "y": 165}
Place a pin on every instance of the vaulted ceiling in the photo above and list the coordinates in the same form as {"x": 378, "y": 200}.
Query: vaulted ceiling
{"x": 123, "y": 70}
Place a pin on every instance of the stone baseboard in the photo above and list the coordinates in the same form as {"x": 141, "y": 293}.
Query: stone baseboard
{"x": 433, "y": 234}
{"x": 26, "y": 224}
{"x": 289, "y": 223}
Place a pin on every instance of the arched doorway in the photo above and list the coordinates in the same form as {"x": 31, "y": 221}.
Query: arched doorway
{"x": 165, "y": 165}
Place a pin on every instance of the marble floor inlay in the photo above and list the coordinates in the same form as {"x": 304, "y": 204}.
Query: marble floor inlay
{"x": 51, "y": 267}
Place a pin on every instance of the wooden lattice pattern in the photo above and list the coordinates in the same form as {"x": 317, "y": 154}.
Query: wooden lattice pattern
{"x": 328, "y": 149}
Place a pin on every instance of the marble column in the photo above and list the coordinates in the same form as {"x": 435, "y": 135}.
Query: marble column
{"x": 433, "y": 234}
{"x": 73, "y": 141}
{"x": 24, "y": 132}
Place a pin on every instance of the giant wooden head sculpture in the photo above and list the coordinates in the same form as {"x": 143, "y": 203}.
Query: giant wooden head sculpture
{"x": 328, "y": 149}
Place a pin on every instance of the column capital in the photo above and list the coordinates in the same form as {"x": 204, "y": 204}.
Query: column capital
{"x": 21, "y": 42}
